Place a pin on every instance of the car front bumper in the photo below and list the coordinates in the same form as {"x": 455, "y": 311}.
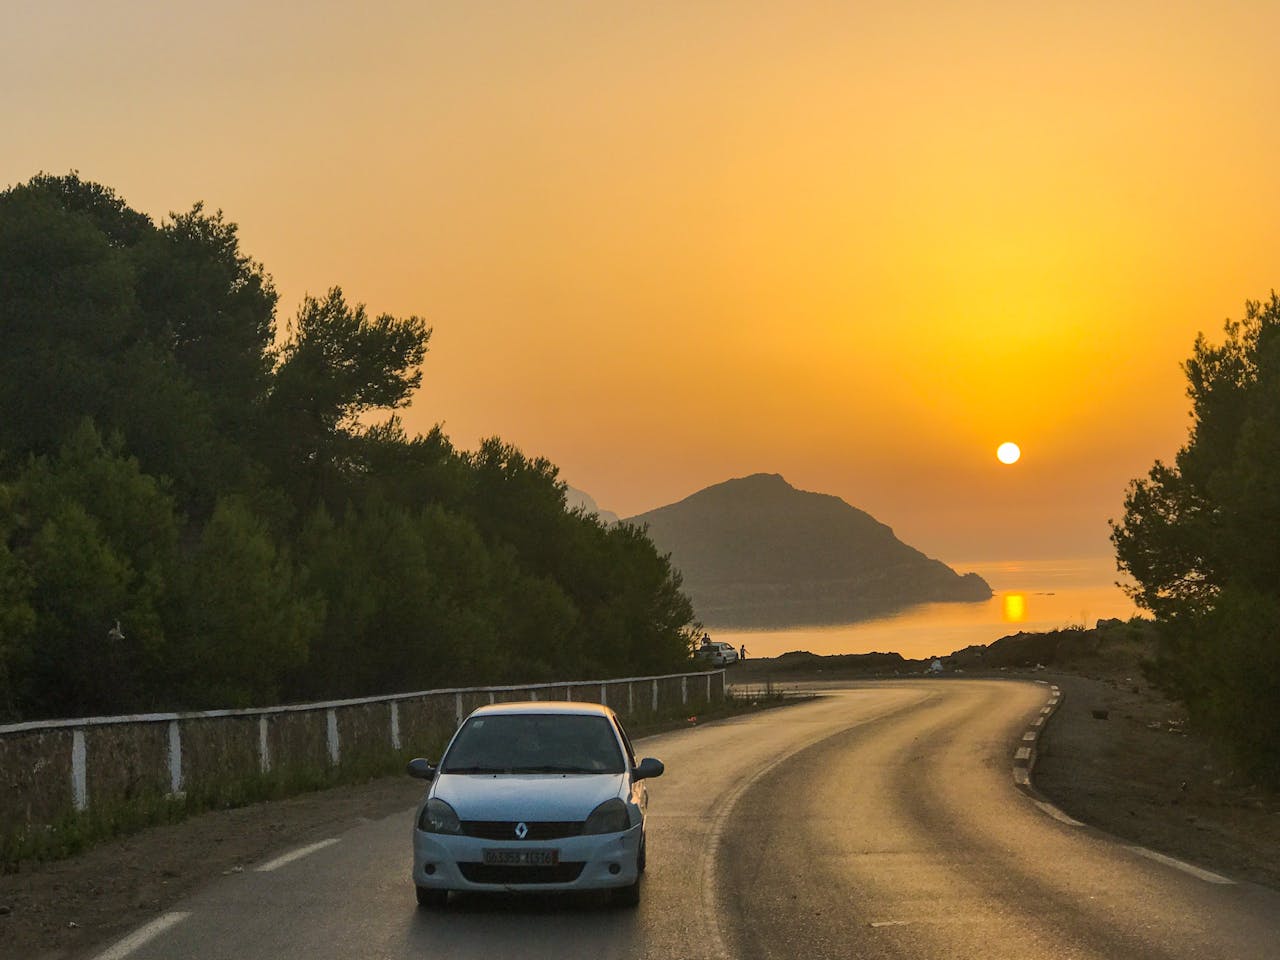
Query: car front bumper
{"x": 446, "y": 862}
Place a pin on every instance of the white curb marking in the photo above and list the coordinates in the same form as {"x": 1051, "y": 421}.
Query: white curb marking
{"x": 295, "y": 855}
{"x": 1057, "y": 814}
{"x": 1021, "y": 777}
{"x": 1029, "y": 735}
{"x": 143, "y": 934}
{"x": 1022, "y": 753}
{"x": 1196, "y": 872}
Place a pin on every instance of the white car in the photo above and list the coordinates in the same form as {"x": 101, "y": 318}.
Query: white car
{"x": 533, "y": 797}
{"x": 718, "y": 654}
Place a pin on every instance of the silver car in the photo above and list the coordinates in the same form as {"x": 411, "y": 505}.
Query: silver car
{"x": 533, "y": 797}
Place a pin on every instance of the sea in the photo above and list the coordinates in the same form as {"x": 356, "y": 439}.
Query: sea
{"x": 1028, "y": 596}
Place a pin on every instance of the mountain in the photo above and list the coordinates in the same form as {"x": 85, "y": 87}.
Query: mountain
{"x": 757, "y": 552}
{"x": 575, "y": 499}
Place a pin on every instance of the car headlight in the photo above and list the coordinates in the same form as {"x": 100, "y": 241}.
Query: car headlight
{"x": 610, "y": 817}
{"x": 438, "y": 817}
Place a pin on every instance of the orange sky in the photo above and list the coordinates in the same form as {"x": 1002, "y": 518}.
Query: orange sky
{"x": 666, "y": 244}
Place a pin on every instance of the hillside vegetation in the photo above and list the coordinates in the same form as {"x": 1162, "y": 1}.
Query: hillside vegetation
{"x": 757, "y": 552}
{"x": 197, "y": 512}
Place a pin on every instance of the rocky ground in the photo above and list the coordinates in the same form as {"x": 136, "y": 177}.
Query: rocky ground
{"x": 1116, "y": 755}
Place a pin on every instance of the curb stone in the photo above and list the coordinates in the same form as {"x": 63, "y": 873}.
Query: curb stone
{"x": 1024, "y": 756}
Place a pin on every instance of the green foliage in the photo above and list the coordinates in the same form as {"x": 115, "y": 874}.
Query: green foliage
{"x": 244, "y": 624}
{"x": 1200, "y": 539}
{"x": 338, "y": 365}
{"x": 165, "y": 464}
{"x": 94, "y": 537}
{"x": 17, "y": 620}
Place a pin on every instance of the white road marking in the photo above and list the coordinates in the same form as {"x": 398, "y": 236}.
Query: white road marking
{"x": 295, "y": 855}
{"x": 1022, "y": 753}
{"x": 1196, "y": 872}
{"x": 1037, "y": 721}
{"x": 1029, "y": 735}
{"x": 1057, "y": 814}
{"x": 143, "y": 934}
{"x": 1046, "y": 711}
{"x": 889, "y": 923}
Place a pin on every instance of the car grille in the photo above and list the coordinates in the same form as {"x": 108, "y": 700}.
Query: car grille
{"x": 490, "y": 873}
{"x": 506, "y": 829}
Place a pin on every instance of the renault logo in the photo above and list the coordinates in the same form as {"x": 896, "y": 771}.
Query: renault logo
{"x": 522, "y": 830}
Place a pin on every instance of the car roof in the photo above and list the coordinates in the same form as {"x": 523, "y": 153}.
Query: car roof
{"x": 550, "y": 707}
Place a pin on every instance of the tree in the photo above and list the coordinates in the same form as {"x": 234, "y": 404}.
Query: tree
{"x": 1201, "y": 539}
{"x": 67, "y": 318}
{"x": 17, "y": 619}
{"x": 232, "y": 504}
{"x": 338, "y": 365}
{"x": 245, "y": 626}
{"x": 95, "y": 539}
{"x": 160, "y": 335}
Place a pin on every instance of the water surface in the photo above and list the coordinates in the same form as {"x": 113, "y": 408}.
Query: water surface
{"x": 1029, "y": 595}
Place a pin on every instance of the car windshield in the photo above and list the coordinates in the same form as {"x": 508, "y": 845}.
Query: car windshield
{"x": 534, "y": 743}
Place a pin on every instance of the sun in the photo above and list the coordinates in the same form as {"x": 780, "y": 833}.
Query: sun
{"x": 1008, "y": 453}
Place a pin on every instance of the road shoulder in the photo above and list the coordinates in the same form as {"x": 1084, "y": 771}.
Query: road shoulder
{"x": 1118, "y": 756}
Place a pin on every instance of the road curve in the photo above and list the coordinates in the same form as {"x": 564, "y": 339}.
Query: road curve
{"x": 880, "y": 820}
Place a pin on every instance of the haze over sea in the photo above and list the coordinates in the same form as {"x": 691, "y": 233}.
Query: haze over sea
{"x": 1028, "y": 596}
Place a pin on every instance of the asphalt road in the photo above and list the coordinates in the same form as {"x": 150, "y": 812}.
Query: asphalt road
{"x": 881, "y": 820}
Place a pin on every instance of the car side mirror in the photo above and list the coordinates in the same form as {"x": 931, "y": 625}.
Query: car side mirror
{"x": 647, "y": 768}
{"x": 422, "y": 769}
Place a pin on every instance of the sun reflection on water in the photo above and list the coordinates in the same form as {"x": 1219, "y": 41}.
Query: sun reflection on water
{"x": 1015, "y": 607}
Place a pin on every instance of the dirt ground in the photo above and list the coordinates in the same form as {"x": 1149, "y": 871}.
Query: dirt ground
{"x": 1142, "y": 775}
{"x": 1138, "y": 774}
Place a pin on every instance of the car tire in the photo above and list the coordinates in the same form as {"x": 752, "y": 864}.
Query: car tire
{"x": 628, "y": 896}
{"x": 640, "y": 857}
{"x": 432, "y": 898}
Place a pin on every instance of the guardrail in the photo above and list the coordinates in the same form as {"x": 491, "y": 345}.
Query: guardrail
{"x": 52, "y": 771}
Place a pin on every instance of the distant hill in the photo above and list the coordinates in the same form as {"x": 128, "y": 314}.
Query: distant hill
{"x": 575, "y": 498}
{"x": 757, "y": 552}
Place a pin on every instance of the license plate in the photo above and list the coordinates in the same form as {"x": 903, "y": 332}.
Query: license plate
{"x": 522, "y": 858}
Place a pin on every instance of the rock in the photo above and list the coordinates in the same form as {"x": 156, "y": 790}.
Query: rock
{"x": 5, "y": 909}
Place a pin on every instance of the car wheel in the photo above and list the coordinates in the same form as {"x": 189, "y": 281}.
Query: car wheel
{"x": 628, "y": 896}
{"x": 431, "y": 897}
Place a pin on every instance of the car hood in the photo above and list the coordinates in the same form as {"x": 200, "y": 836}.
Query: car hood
{"x": 522, "y": 796}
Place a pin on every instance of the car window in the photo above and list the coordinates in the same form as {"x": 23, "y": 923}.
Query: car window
{"x": 534, "y": 743}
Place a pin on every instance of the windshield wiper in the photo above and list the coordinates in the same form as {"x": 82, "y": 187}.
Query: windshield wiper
{"x": 476, "y": 770}
{"x": 555, "y": 768}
